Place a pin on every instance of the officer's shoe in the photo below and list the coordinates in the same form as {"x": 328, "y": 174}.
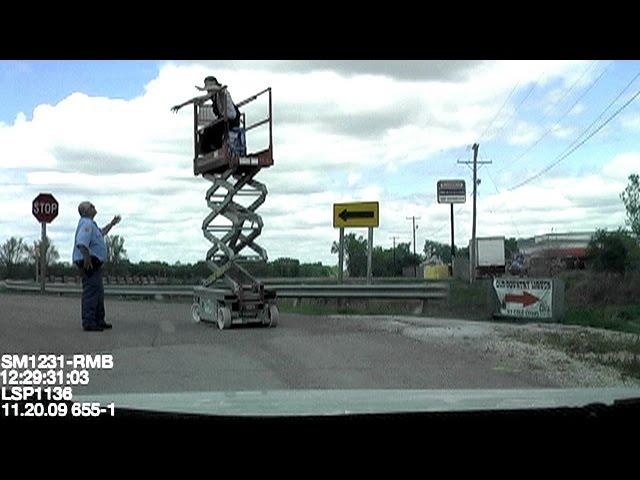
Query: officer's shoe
{"x": 92, "y": 328}
{"x": 106, "y": 326}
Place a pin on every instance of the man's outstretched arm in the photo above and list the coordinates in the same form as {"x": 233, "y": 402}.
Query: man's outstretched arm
{"x": 198, "y": 100}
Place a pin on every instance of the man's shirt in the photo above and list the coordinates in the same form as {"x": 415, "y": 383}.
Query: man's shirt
{"x": 220, "y": 104}
{"x": 89, "y": 234}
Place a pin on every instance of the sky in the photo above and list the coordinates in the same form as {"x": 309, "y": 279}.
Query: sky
{"x": 562, "y": 138}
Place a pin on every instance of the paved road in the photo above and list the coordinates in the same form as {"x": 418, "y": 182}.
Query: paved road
{"x": 158, "y": 348}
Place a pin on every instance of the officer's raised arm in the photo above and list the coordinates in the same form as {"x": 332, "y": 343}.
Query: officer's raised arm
{"x": 110, "y": 225}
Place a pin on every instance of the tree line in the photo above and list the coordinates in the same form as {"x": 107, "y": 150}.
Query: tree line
{"x": 20, "y": 260}
{"x": 616, "y": 251}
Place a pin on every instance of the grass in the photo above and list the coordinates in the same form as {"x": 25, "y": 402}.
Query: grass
{"x": 601, "y": 289}
{"x": 622, "y": 353}
{"x": 466, "y": 300}
{"x": 629, "y": 368}
{"x": 620, "y": 318}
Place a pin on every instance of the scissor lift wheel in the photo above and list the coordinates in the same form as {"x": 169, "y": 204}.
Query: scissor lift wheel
{"x": 195, "y": 312}
{"x": 272, "y": 316}
{"x": 224, "y": 318}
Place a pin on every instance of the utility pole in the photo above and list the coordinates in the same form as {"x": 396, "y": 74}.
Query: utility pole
{"x": 415, "y": 268}
{"x": 341, "y": 257}
{"x": 369, "y": 257}
{"x": 453, "y": 245}
{"x": 473, "y": 228}
{"x": 394, "y": 254}
{"x": 43, "y": 255}
{"x": 472, "y": 250}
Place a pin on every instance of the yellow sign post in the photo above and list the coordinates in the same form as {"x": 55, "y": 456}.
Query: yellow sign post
{"x": 356, "y": 215}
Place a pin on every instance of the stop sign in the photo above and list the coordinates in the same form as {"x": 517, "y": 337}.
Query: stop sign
{"x": 45, "y": 207}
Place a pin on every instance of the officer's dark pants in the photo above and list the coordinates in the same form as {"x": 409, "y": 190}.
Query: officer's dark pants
{"x": 93, "y": 297}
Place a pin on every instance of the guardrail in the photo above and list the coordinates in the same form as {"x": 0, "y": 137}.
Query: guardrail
{"x": 158, "y": 281}
{"x": 117, "y": 290}
{"x": 423, "y": 291}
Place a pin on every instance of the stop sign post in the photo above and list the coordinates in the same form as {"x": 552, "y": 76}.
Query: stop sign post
{"x": 45, "y": 209}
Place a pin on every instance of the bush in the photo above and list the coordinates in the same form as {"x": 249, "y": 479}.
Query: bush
{"x": 616, "y": 252}
{"x": 603, "y": 288}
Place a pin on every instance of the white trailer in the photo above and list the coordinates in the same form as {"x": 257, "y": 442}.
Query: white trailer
{"x": 490, "y": 256}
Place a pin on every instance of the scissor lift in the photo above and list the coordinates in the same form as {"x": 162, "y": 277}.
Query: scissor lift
{"x": 231, "y": 295}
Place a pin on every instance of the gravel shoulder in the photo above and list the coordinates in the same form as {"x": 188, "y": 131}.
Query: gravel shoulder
{"x": 553, "y": 354}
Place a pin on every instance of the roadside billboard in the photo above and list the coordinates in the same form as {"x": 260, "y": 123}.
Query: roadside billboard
{"x": 525, "y": 297}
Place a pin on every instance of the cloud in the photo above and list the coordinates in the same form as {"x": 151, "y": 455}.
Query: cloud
{"x": 524, "y": 134}
{"x": 353, "y": 178}
{"x": 97, "y": 162}
{"x": 622, "y": 166}
{"x": 335, "y": 123}
{"x": 407, "y": 70}
{"x": 367, "y": 125}
{"x": 579, "y": 203}
{"x": 578, "y": 109}
{"x": 562, "y": 132}
{"x": 631, "y": 122}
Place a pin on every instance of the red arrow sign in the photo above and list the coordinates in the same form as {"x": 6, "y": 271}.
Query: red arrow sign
{"x": 525, "y": 299}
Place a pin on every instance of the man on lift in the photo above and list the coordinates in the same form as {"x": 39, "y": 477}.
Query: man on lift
{"x": 212, "y": 136}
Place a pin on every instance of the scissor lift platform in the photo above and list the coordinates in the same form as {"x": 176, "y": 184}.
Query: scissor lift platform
{"x": 231, "y": 295}
{"x": 226, "y": 157}
{"x": 222, "y": 159}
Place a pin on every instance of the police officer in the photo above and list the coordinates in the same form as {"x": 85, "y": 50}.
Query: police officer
{"x": 89, "y": 254}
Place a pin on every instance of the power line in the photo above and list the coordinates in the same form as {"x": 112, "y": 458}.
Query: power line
{"x": 571, "y": 108}
{"x": 556, "y": 124}
{"x": 573, "y": 85}
{"x": 566, "y": 113}
{"x": 497, "y": 114}
{"x": 604, "y": 111}
{"x": 535, "y": 84}
{"x": 510, "y": 216}
{"x": 562, "y": 157}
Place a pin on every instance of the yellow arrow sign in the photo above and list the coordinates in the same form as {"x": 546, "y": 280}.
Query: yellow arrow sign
{"x": 359, "y": 214}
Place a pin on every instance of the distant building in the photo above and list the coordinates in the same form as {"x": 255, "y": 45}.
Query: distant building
{"x": 551, "y": 253}
{"x": 565, "y": 245}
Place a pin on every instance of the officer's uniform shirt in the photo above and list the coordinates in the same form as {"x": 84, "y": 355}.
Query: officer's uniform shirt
{"x": 89, "y": 234}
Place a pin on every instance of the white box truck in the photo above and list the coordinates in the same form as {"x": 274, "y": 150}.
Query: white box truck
{"x": 490, "y": 256}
